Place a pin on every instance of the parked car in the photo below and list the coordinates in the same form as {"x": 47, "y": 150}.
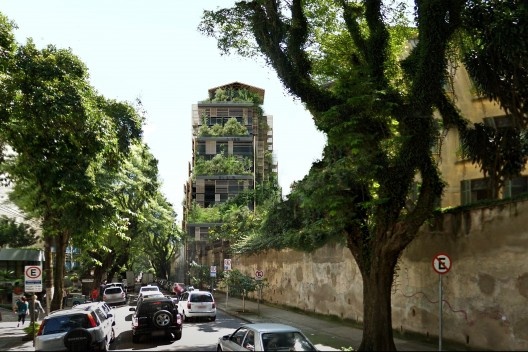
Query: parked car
{"x": 114, "y": 295}
{"x": 149, "y": 294}
{"x": 117, "y": 284}
{"x": 156, "y": 316}
{"x": 265, "y": 337}
{"x": 148, "y": 288}
{"x": 197, "y": 304}
{"x": 85, "y": 327}
{"x": 73, "y": 299}
{"x": 109, "y": 311}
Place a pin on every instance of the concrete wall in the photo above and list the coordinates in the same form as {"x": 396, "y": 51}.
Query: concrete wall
{"x": 485, "y": 293}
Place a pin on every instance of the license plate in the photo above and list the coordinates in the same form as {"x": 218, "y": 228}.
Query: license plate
{"x": 158, "y": 333}
{"x": 201, "y": 306}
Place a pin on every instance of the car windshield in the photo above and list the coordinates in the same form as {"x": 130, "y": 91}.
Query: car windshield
{"x": 65, "y": 323}
{"x": 201, "y": 297}
{"x": 286, "y": 341}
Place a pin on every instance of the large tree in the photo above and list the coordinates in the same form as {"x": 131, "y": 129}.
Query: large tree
{"x": 59, "y": 128}
{"x": 343, "y": 60}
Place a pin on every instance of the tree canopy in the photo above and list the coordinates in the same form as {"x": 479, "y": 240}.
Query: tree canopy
{"x": 373, "y": 83}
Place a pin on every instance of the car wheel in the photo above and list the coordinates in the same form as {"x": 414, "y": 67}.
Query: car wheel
{"x": 76, "y": 303}
{"x": 135, "y": 338}
{"x": 78, "y": 340}
{"x": 218, "y": 348}
{"x": 162, "y": 318}
{"x": 177, "y": 335}
{"x": 213, "y": 318}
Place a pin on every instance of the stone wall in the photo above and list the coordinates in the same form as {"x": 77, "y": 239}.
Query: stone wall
{"x": 485, "y": 293}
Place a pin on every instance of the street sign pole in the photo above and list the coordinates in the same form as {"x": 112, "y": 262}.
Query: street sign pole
{"x": 441, "y": 264}
{"x": 440, "y": 306}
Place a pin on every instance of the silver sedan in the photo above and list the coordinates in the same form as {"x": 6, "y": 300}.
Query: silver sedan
{"x": 265, "y": 337}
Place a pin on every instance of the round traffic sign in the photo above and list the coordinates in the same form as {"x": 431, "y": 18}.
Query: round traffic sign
{"x": 441, "y": 263}
{"x": 259, "y": 274}
{"x": 33, "y": 272}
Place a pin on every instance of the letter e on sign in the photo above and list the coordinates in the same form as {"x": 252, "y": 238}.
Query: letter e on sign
{"x": 441, "y": 263}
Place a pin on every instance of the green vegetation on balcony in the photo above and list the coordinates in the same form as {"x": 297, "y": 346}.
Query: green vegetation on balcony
{"x": 231, "y": 128}
{"x": 234, "y": 95}
{"x": 223, "y": 165}
{"x": 198, "y": 214}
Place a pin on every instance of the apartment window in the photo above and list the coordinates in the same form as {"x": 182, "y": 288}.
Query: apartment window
{"x": 200, "y": 148}
{"x": 221, "y": 186}
{"x": 245, "y": 149}
{"x": 499, "y": 121}
{"x": 472, "y": 191}
{"x": 516, "y": 186}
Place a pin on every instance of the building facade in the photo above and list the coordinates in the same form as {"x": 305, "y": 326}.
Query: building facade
{"x": 232, "y": 153}
{"x": 465, "y": 182}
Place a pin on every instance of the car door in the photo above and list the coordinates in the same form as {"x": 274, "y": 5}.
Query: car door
{"x": 106, "y": 324}
{"x": 182, "y": 303}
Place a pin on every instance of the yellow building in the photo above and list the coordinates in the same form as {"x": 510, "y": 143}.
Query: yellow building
{"x": 465, "y": 181}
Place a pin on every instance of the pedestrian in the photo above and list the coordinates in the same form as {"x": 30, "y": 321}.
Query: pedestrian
{"x": 21, "y": 309}
{"x": 95, "y": 294}
{"x": 35, "y": 307}
{"x": 102, "y": 289}
{"x": 64, "y": 297}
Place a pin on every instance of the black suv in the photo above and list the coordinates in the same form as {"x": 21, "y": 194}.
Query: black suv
{"x": 156, "y": 316}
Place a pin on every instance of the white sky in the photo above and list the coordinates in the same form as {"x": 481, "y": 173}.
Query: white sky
{"x": 151, "y": 50}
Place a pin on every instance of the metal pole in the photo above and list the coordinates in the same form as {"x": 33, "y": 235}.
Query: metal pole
{"x": 227, "y": 294}
{"x": 440, "y": 304}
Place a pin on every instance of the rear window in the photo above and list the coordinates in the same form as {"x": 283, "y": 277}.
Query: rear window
{"x": 144, "y": 289}
{"x": 201, "y": 297}
{"x": 113, "y": 290}
{"x": 152, "y": 307}
{"x": 65, "y": 323}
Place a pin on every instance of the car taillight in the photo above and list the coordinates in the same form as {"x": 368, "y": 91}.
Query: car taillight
{"x": 41, "y": 328}
{"x": 92, "y": 321}
{"x": 188, "y": 305}
{"x": 178, "y": 320}
{"x": 104, "y": 297}
{"x": 213, "y": 305}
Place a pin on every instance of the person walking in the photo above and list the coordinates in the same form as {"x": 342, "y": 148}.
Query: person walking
{"x": 35, "y": 308}
{"x": 95, "y": 294}
{"x": 21, "y": 309}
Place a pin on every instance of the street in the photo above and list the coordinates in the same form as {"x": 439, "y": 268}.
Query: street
{"x": 197, "y": 336}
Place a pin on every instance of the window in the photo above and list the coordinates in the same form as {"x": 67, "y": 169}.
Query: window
{"x": 515, "y": 186}
{"x": 498, "y": 121}
{"x": 238, "y": 336}
{"x": 249, "y": 343}
{"x": 472, "y": 191}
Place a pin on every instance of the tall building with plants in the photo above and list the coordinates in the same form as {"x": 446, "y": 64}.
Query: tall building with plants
{"x": 232, "y": 164}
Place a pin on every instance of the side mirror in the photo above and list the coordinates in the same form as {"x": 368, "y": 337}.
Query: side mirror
{"x": 132, "y": 309}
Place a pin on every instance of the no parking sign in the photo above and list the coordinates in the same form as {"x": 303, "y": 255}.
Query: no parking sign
{"x": 33, "y": 278}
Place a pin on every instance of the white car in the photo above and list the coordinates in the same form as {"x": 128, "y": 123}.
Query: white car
{"x": 265, "y": 337}
{"x": 114, "y": 295}
{"x": 148, "y": 289}
{"x": 197, "y": 304}
{"x": 88, "y": 327}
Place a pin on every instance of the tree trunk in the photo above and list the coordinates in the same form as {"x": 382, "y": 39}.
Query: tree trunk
{"x": 48, "y": 284}
{"x": 377, "y": 311}
{"x": 61, "y": 242}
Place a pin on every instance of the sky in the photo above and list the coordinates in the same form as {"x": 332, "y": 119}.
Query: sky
{"x": 152, "y": 50}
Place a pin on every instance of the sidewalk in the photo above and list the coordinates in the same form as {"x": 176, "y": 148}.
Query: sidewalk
{"x": 327, "y": 335}
{"x": 13, "y": 338}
